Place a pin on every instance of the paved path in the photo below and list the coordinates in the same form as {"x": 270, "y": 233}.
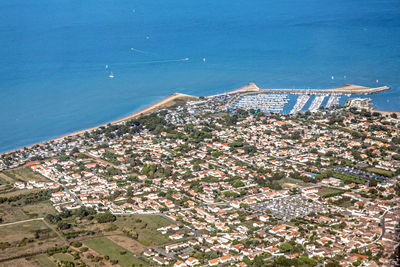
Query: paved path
{"x": 30, "y": 220}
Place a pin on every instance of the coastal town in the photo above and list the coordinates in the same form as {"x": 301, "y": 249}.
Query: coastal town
{"x": 203, "y": 184}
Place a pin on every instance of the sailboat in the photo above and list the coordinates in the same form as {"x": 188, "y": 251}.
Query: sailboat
{"x": 111, "y": 75}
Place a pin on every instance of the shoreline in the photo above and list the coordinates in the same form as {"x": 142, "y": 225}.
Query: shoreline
{"x": 250, "y": 88}
{"x": 149, "y": 109}
{"x": 386, "y": 112}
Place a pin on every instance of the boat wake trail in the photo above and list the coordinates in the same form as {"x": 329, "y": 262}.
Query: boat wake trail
{"x": 142, "y": 52}
{"x": 156, "y": 61}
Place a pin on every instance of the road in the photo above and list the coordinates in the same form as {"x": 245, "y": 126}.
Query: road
{"x": 72, "y": 194}
{"x": 164, "y": 253}
{"x": 179, "y": 224}
{"x": 383, "y": 224}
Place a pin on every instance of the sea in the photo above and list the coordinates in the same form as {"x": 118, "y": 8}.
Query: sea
{"x": 56, "y": 57}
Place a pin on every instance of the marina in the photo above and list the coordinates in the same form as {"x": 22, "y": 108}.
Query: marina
{"x": 300, "y": 103}
{"x": 282, "y": 103}
{"x": 269, "y": 103}
{"x": 316, "y": 103}
{"x": 334, "y": 100}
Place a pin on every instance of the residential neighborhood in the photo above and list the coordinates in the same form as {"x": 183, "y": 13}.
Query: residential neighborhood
{"x": 237, "y": 187}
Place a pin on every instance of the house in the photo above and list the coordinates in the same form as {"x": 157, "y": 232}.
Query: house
{"x": 176, "y": 236}
{"x": 180, "y": 264}
{"x": 160, "y": 260}
{"x": 192, "y": 261}
{"x": 264, "y": 218}
{"x": 213, "y": 262}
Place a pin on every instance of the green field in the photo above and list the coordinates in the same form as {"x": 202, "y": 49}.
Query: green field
{"x": 380, "y": 171}
{"x": 39, "y": 209}
{"x": 146, "y": 228}
{"x": 45, "y": 261}
{"x": 349, "y": 178}
{"x": 326, "y": 191}
{"x": 63, "y": 257}
{"x": 10, "y": 213}
{"x": 105, "y": 246}
{"x": 24, "y": 174}
{"x": 5, "y": 179}
{"x": 16, "y": 232}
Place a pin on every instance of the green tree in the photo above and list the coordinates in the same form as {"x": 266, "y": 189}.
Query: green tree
{"x": 237, "y": 183}
{"x": 105, "y": 217}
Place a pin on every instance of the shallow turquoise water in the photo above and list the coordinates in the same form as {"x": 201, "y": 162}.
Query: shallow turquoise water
{"x": 53, "y": 55}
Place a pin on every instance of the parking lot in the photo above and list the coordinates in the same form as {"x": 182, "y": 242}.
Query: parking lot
{"x": 289, "y": 207}
{"x": 359, "y": 173}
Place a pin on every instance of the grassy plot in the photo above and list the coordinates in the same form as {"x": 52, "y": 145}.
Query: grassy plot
{"x": 45, "y": 261}
{"x": 11, "y": 214}
{"x": 18, "y": 192}
{"x": 39, "y": 209}
{"x": 146, "y": 228}
{"x": 380, "y": 171}
{"x": 25, "y": 174}
{"x": 5, "y": 179}
{"x": 329, "y": 192}
{"x": 106, "y": 247}
{"x": 27, "y": 237}
{"x": 18, "y": 231}
{"x": 349, "y": 178}
{"x": 63, "y": 257}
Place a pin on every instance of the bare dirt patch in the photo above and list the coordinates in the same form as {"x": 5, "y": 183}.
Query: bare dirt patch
{"x": 34, "y": 247}
{"x": 127, "y": 243}
{"x": 21, "y": 263}
{"x": 27, "y": 237}
{"x": 11, "y": 214}
{"x": 6, "y": 178}
{"x": 289, "y": 185}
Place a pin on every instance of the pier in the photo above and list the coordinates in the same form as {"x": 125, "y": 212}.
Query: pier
{"x": 317, "y": 103}
{"x": 333, "y": 101}
{"x": 300, "y": 103}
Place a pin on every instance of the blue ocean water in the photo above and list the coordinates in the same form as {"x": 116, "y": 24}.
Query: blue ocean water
{"x": 53, "y": 55}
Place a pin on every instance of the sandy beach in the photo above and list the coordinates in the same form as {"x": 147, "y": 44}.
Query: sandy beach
{"x": 170, "y": 100}
{"x": 164, "y": 103}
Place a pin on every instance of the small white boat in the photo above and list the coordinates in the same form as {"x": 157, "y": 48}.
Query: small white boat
{"x": 111, "y": 75}
{"x": 332, "y": 77}
{"x": 204, "y": 59}
{"x": 106, "y": 67}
